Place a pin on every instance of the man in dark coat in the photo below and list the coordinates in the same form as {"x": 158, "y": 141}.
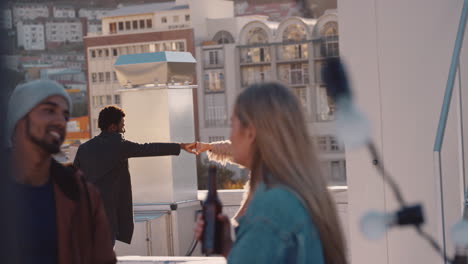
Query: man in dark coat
{"x": 104, "y": 161}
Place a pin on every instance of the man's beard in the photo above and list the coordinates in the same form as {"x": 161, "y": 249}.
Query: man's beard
{"x": 52, "y": 148}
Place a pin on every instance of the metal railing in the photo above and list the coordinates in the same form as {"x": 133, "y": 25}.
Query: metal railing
{"x": 439, "y": 140}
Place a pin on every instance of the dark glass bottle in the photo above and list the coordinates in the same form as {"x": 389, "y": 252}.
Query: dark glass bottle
{"x": 212, "y": 207}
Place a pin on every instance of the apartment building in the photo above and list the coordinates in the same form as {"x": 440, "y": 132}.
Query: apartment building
{"x": 167, "y": 26}
{"x": 93, "y": 13}
{"x": 130, "y": 30}
{"x": 64, "y": 11}
{"x": 60, "y": 30}
{"x": 31, "y": 35}
{"x": 29, "y": 11}
{"x": 245, "y": 50}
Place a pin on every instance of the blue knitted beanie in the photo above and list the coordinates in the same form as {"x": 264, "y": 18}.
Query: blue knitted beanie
{"x": 25, "y": 97}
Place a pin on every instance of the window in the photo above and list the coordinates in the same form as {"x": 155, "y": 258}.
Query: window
{"x": 322, "y": 143}
{"x": 175, "y": 19}
{"x": 113, "y": 28}
{"x": 180, "y": 46}
{"x": 108, "y": 77}
{"x": 117, "y": 99}
{"x": 108, "y": 99}
{"x": 337, "y": 172}
{"x": 93, "y": 77}
{"x": 106, "y": 52}
{"x": 142, "y": 23}
{"x": 135, "y": 24}
{"x": 334, "y": 145}
{"x": 257, "y": 74}
{"x": 101, "y": 100}
{"x": 101, "y": 77}
{"x": 121, "y": 26}
{"x": 325, "y": 105}
{"x": 329, "y": 144}
{"x": 215, "y": 110}
{"x": 223, "y": 37}
{"x": 93, "y": 54}
{"x": 115, "y": 76}
{"x": 163, "y": 20}
{"x": 149, "y": 23}
{"x": 255, "y": 55}
{"x": 214, "y": 81}
{"x": 115, "y": 52}
{"x": 329, "y": 44}
{"x": 127, "y": 25}
{"x": 215, "y": 139}
{"x": 213, "y": 57}
{"x": 99, "y": 52}
{"x": 187, "y": 17}
{"x": 95, "y": 123}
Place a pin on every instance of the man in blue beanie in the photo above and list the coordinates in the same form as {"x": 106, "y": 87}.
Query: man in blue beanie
{"x": 59, "y": 218}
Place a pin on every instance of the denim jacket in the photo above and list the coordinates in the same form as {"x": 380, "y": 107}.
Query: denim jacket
{"x": 276, "y": 228}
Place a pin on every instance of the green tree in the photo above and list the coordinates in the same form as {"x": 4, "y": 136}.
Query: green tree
{"x": 223, "y": 178}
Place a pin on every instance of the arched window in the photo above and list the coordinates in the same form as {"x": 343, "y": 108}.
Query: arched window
{"x": 292, "y": 48}
{"x": 223, "y": 37}
{"x": 329, "y": 34}
{"x": 257, "y": 36}
{"x": 294, "y": 32}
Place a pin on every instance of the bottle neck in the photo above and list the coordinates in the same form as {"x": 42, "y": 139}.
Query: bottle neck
{"x": 212, "y": 190}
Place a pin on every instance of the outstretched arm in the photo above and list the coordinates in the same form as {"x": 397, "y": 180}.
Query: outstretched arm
{"x": 219, "y": 151}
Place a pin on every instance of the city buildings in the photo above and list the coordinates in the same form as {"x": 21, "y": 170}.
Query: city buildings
{"x": 31, "y": 35}
{"x": 143, "y": 28}
{"x": 29, "y": 11}
{"x": 63, "y": 11}
{"x": 63, "y": 30}
{"x": 241, "y": 51}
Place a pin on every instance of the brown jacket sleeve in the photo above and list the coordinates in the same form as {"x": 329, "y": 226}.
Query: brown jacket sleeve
{"x": 103, "y": 252}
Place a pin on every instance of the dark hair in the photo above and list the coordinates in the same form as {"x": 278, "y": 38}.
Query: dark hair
{"x": 110, "y": 115}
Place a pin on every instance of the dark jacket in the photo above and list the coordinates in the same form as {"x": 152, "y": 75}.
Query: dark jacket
{"x": 83, "y": 231}
{"x": 104, "y": 161}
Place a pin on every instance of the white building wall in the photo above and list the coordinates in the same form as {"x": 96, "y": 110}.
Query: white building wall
{"x": 92, "y": 14}
{"x": 399, "y": 70}
{"x": 61, "y": 12}
{"x": 29, "y": 11}
{"x": 94, "y": 28}
{"x": 58, "y": 31}
{"x": 174, "y": 19}
{"x": 200, "y": 10}
{"x": 31, "y": 36}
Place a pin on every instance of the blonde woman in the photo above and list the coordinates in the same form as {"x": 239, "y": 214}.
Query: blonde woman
{"x": 290, "y": 216}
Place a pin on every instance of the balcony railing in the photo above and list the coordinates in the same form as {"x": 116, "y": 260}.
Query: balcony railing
{"x": 441, "y": 168}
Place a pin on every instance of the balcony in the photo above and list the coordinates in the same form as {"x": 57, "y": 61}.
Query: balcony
{"x": 257, "y": 55}
{"x": 292, "y": 52}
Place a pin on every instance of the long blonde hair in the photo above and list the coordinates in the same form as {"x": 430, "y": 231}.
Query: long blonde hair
{"x": 284, "y": 148}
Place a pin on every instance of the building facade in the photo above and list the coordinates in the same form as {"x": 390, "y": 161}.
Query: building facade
{"x": 245, "y": 50}
{"x": 93, "y": 13}
{"x": 29, "y": 11}
{"x": 94, "y": 26}
{"x": 61, "y": 30}
{"x": 7, "y": 19}
{"x": 63, "y": 11}
{"x": 129, "y": 30}
{"x": 31, "y": 35}
{"x": 168, "y": 26}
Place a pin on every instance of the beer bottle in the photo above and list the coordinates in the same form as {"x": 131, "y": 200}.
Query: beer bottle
{"x": 212, "y": 207}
